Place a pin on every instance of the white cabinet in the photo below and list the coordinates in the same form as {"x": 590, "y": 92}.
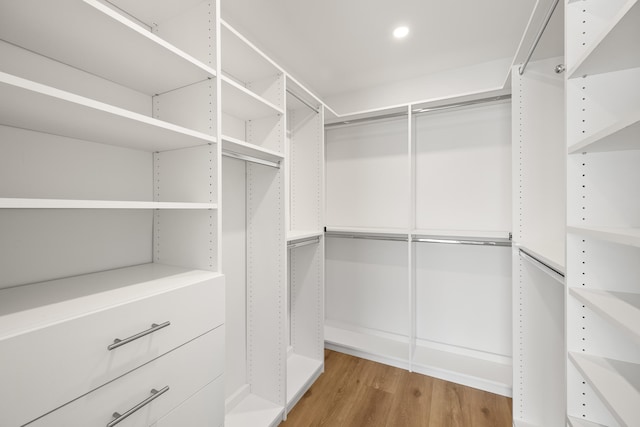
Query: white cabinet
{"x": 602, "y": 101}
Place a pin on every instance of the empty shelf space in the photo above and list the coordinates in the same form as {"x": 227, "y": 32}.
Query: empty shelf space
{"x": 301, "y": 373}
{"x": 240, "y": 102}
{"x": 238, "y": 146}
{"x": 616, "y": 383}
{"x": 13, "y": 203}
{"x": 254, "y": 411}
{"x": 467, "y": 370}
{"x": 576, "y": 422}
{"x": 623, "y": 236}
{"x": 621, "y": 308}
{"x": 69, "y": 297}
{"x": 90, "y": 36}
{"x": 30, "y": 105}
{"x": 385, "y": 348}
{"x": 622, "y": 135}
{"x": 241, "y": 59}
{"x": 621, "y": 35}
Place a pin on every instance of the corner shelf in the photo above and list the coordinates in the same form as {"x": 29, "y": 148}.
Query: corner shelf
{"x": 619, "y": 36}
{"x": 621, "y": 308}
{"x": 617, "y": 383}
{"x": 238, "y": 146}
{"x": 576, "y": 422}
{"x": 303, "y": 234}
{"x": 624, "y": 236}
{"x": 90, "y": 36}
{"x": 621, "y": 135}
{"x": 30, "y": 105}
{"x": 301, "y": 373}
{"x": 242, "y": 103}
{"x": 254, "y": 411}
{"x": 16, "y": 203}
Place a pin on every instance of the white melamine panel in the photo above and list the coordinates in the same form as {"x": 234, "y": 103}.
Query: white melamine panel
{"x": 463, "y": 168}
{"x": 367, "y": 284}
{"x": 620, "y": 135}
{"x": 186, "y": 238}
{"x": 234, "y": 247}
{"x": 84, "y": 313}
{"x": 203, "y": 409}
{"x": 539, "y": 349}
{"x": 30, "y": 105}
{"x": 306, "y": 165}
{"x": 38, "y": 165}
{"x": 186, "y": 175}
{"x": 301, "y": 373}
{"x": 463, "y": 296}
{"x": 233, "y": 128}
{"x": 240, "y": 102}
{"x": 539, "y": 160}
{"x": 255, "y": 411}
{"x": 268, "y": 132}
{"x": 192, "y": 107}
{"x": 576, "y": 422}
{"x": 367, "y": 175}
{"x": 90, "y": 35}
{"x": 604, "y": 189}
{"x": 266, "y": 283}
{"x": 237, "y": 146}
{"x": 39, "y": 245}
{"x": 184, "y": 370}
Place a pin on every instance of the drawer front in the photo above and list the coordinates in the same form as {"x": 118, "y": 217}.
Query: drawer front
{"x": 204, "y": 409}
{"x": 48, "y": 367}
{"x": 185, "y": 371}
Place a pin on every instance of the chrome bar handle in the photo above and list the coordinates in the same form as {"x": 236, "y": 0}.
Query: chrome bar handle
{"x": 154, "y": 327}
{"x": 121, "y": 417}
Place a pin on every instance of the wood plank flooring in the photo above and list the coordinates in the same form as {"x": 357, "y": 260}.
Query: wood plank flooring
{"x": 354, "y": 392}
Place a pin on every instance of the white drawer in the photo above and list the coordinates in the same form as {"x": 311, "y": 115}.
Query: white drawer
{"x": 184, "y": 371}
{"x": 204, "y": 409}
{"x": 46, "y": 367}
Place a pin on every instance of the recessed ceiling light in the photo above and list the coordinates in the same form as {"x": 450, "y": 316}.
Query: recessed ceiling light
{"x": 401, "y": 32}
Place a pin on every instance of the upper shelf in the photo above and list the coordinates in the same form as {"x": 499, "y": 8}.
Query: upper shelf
{"x": 98, "y": 39}
{"x": 242, "y": 60}
{"x": 621, "y": 135}
{"x": 30, "y": 105}
{"x": 13, "y": 203}
{"x": 616, "y": 48}
{"x": 241, "y": 103}
{"x": 624, "y": 236}
{"x": 237, "y": 146}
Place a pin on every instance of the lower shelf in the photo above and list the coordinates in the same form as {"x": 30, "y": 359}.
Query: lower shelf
{"x": 576, "y": 422}
{"x": 301, "y": 373}
{"x": 254, "y": 411}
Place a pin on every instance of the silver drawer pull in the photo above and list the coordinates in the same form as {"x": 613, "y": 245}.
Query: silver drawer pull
{"x": 154, "y": 327}
{"x": 121, "y": 417}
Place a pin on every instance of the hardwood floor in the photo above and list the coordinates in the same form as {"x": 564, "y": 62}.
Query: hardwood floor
{"x": 355, "y": 392}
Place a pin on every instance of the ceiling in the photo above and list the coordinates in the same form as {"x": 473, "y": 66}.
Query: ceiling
{"x": 340, "y": 46}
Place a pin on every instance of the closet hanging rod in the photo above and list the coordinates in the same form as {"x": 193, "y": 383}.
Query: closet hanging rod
{"x": 460, "y": 104}
{"x": 368, "y": 236}
{"x": 547, "y": 18}
{"x": 558, "y": 275}
{"x": 316, "y": 109}
{"x": 303, "y": 242}
{"x": 461, "y": 241}
{"x": 251, "y": 159}
{"x": 367, "y": 119}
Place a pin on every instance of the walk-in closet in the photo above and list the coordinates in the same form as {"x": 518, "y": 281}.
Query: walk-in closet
{"x": 206, "y": 206}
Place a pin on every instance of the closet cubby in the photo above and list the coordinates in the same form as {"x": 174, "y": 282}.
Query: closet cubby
{"x": 602, "y": 241}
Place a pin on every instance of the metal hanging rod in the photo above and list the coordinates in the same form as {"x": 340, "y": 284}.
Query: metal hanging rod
{"x": 461, "y": 241}
{"x": 546, "y": 268}
{"x": 461, "y": 104}
{"x": 303, "y": 242}
{"x": 367, "y": 119}
{"x": 316, "y": 109}
{"x": 368, "y": 236}
{"x": 547, "y": 18}
{"x": 251, "y": 159}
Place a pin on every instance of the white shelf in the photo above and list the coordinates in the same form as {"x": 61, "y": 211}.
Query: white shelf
{"x": 521, "y": 423}
{"x": 30, "y": 105}
{"x": 622, "y": 135}
{"x": 363, "y": 230}
{"x": 379, "y": 346}
{"x": 470, "y": 371}
{"x": 13, "y": 203}
{"x": 623, "y": 236}
{"x": 301, "y": 373}
{"x": 241, "y": 59}
{"x": 604, "y": 54}
{"x": 621, "y": 308}
{"x": 303, "y": 234}
{"x": 462, "y": 234}
{"x": 61, "y": 299}
{"x": 617, "y": 383}
{"x": 254, "y": 411}
{"x": 576, "y": 422}
{"x": 241, "y": 103}
{"x": 90, "y": 36}
{"x": 238, "y": 146}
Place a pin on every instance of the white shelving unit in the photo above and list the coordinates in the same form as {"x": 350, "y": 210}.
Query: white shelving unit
{"x": 603, "y": 97}
{"x": 109, "y": 197}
